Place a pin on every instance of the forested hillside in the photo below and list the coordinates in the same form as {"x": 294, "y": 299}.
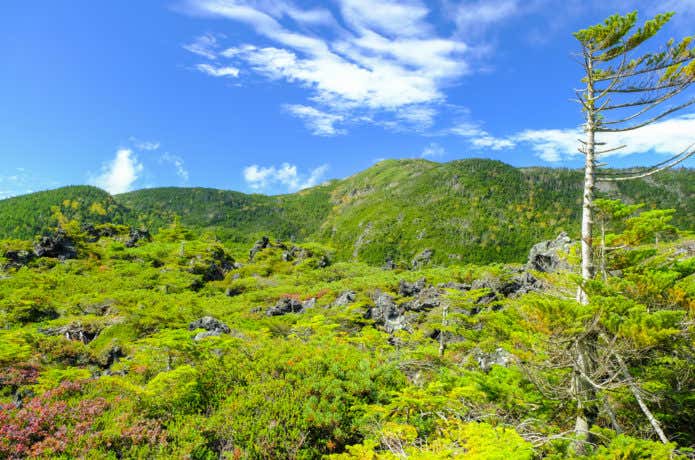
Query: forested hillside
{"x": 32, "y": 214}
{"x": 475, "y": 211}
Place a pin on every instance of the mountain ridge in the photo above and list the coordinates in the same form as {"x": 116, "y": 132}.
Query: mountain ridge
{"x": 472, "y": 210}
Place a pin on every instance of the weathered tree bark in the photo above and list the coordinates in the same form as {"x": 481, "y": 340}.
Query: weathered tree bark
{"x": 584, "y": 392}
{"x": 589, "y": 185}
{"x": 442, "y": 333}
{"x": 603, "y": 250}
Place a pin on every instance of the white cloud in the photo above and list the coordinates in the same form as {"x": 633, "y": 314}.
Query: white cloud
{"x": 223, "y": 71}
{"x": 119, "y": 175}
{"x": 315, "y": 177}
{"x": 386, "y": 64}
{"x": 433, "y": 150}
{"x": 666, "y": 138}
{"x": 550, "y": 144}
{"x": 262, "y": 178}
{"x": 178, "y": 164}
{"x": 320, "y": 123}
{"x": 475, "y": 15}
{"x": 21, "y": 181}
{"x": 417, "y": 117}
{"x": 205, "y": 46}
{"x": 396, "y": 18}
{"x": 144, "y": 145}
{"x": 480, "y": 138}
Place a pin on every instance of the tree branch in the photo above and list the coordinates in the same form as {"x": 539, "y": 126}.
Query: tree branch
{"x": 644, "y": 71}
{"x": 647, "y": 122}
{"x": 634, "y": 388}
{"x": 646, "y": 101}
{"x": 673, "y": 161}
{"x": 645, "y": 89}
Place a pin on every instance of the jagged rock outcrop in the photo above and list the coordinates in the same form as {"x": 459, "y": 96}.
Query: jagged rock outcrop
{"x": 499, "y": 357}
{"x": 422, "y": 259}
{"x": 298, "y": 254}
{"x": 454, "y": 285}
{"x": 550, "y": 256}
{"x": 427, "y": 299}
{"x": 260, "y": 245}
{"x": 521, "y": 284}
{"x": 59, "y": 246}
{"x": 213, "y": 268}
{"x": 103, "y": 231}
{"x": 499, "y": 288}
{"x": 686, "y": 249}
{"x": 387, "y": 314}
{"x": 212, "y": 326}
{"x": 389, "y": 264}
{"x": 99, "y": 309}
{"x": 345, "y": 298}
{"x": 289, "y": 305}
{"x": 111, "y": 357}
{"x": 407, "y": 289}
{"x": 137, "y": 235}
{"x": 77, "y": 331}
{"x": 17, "y": 259}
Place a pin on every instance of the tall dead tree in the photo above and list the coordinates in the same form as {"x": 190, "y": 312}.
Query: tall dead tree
{"x": 624, "y": 91}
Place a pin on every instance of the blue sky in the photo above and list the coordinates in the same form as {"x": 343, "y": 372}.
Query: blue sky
{"x": 272, "y": 96}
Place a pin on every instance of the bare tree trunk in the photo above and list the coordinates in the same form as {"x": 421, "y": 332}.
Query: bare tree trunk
{"x": 611, "y": 414}
{"x": 603, "y": 250}
{"x": 584, "y": 392}
{"x": 442, "y": 338}
{"x": 587, "y": 209}
{"x": 585, "y": 395}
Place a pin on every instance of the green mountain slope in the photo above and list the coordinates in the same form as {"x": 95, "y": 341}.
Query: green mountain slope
{"x": 474, "y": 211}
{"x": 233, "y": 215}
{"x": 29, "y": 215}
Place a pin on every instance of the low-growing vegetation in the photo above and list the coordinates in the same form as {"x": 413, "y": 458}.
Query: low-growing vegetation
{"x": 178, "y": 345}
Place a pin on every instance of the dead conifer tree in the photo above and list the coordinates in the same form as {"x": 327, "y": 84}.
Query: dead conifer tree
{"x": 625, "y": 90}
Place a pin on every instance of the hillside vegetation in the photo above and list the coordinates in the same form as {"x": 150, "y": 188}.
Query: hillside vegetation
{"x": 474, "y": 211}
{"x": 117, "y": 345}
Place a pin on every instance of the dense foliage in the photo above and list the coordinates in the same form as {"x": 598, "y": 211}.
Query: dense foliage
{"x": 29, "y": 215}
{"x": 99, "y": 357}
{"x": 468, "y": 211}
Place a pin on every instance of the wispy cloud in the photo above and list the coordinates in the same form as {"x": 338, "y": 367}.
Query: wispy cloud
{"x": 204, "y": 45}
{"x": 139, "y": 144}
{"x": 319, "y": 123}
{"x": 287, "y": 176}
{"x": 377, "y": 62}
{"x": 119, "y": 175}
{"x": 553, "y": 145}
{"x": 475, "y": 16}
{"x": 480, "y": 138}
{"x": 222, "y": 71}
{"x": 178, "y": 164}
{"x": 433, "y": 150}
{"x": 16, "y": 182}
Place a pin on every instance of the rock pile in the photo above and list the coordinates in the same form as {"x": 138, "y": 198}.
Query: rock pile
{"x": 550, "y": 256}
{"x": 58, "y": 245}
{"x": 212, "y": 326}
{"x": 289, "y": 305}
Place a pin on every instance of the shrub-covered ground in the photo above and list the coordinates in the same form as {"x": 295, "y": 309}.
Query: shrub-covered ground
{"x": 306, "y": 357}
